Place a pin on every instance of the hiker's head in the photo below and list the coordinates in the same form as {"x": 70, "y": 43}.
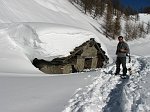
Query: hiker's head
{"x": 120, "y": 38}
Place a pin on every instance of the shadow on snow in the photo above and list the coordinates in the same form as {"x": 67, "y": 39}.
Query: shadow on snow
{"x": 116, "y": 98}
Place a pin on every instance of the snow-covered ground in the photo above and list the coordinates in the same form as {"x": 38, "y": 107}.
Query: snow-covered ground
{"x": 109, "y": 93}
{"x": 51, "y": 28}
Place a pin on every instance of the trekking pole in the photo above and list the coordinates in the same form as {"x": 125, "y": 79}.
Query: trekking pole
{"x": 129, "y": 58}
{"x": 129, "y": 69}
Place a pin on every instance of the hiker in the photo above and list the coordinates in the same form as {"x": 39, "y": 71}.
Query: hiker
{"x": 121, "y": 52}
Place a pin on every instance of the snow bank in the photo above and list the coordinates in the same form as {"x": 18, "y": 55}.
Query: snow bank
{"x": 48, "y": 41}
{"x": 12, "y": 58}
{"x": 42, "y": 40}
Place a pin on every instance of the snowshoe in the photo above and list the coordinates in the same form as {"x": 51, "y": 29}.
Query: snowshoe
{"x": 125, "y": 76}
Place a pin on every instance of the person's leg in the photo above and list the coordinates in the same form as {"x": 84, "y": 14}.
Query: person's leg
{"x": 124, "y": 66}
{"x": 118, "y": 62}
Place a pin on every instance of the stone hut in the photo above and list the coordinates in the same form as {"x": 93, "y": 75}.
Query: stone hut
{"x": 89, "y": 55}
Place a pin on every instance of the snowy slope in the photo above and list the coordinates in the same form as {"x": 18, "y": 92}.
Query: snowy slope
{"x": 38, "y": 28}
{"x": 45, "y": 11}
{"x": 26, "y": 11}
{"x": 43, "y": 29}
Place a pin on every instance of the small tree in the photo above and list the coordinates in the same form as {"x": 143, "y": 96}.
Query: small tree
{"x": 137, "y": 17}
{"x": 99, "y": 7}
{"x": 116, "y": 6}
{"x": 85, "y": 5}
{"x": 127, "y": 30}
{"x": 134, "y": 32}
{"x": 141, "y": 30}
{"x": 146, "y": 10}
{"x": 108, "y": 18}
{"x": 148, "y": 27}
{"x": 116, "y": 26}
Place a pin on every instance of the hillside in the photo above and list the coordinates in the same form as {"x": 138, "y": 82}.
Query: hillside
{"x": 45, "y": 29}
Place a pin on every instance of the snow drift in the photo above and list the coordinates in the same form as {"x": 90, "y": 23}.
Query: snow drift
{"x": 44, "y": 41}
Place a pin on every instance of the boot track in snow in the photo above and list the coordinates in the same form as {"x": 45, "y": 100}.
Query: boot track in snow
{"x": 109, "y": 93}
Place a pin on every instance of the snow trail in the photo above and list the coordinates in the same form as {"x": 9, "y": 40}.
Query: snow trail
{"x": 94, "y": 96}
{"x": 116, "y": 97}
{"x": 133, "y": 91}
{"x": 109, "y": 93}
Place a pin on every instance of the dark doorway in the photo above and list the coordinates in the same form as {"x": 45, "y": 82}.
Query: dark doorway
{"x": 99, "y": 62}
{"x": 87, "y": 63}
{"x": 74, "y": 70}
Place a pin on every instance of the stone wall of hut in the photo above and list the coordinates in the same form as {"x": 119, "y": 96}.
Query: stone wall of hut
{"x": 88, "y": 59}
{"x": 57, "y": 69}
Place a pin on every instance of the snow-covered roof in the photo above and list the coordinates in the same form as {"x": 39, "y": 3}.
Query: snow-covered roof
{"x": 48, "y": 41}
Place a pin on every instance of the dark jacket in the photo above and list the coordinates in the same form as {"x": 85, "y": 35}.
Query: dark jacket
{"x": 122, "y": 46}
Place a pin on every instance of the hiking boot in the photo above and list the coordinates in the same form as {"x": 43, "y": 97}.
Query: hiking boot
{"x": 116, "y": 73}
{"x": 123, "y": 76}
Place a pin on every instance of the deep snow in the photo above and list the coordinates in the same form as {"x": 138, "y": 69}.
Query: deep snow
{"x": 109, "y": 93}
{"x": 51, "y": 28}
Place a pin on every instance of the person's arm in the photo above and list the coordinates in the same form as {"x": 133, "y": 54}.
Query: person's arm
{"x": 125, "y": 49}
{"x": 117, "y": 51}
